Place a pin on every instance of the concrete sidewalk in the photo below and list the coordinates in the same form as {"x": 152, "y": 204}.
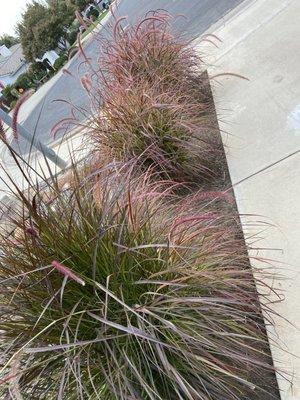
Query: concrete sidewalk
{"x": 260, "y": 41}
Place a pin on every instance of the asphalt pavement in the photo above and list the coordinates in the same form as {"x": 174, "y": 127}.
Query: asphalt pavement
{"x": 64, "y": 92}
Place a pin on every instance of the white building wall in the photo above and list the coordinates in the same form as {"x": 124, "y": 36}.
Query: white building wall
{"x": 6, "y": 80}
{"x": 4, "y": 51}
{"x": 51, "y": 55}
{"x": 10, "y": 79}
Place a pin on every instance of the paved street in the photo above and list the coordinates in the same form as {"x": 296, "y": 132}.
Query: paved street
{"x": 43, "y": 110}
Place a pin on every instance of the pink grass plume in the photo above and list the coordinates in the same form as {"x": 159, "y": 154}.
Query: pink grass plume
{"x": 16, "y": 110}
{"x": 215, "y": 195}
{"x": 67, "y": 72}
{"x": 2, "y": 130}
{"x": 32, "y": 231}
{"x": 67, "y": 272}
{"x": 80, "y": 19}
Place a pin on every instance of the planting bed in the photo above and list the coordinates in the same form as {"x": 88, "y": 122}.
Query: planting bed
{"x": 134, "y": 281}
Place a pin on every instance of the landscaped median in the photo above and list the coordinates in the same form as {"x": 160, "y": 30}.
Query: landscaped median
{"x": 133, "y": 282}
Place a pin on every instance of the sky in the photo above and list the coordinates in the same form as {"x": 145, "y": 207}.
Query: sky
{"x": 10, "y": 14}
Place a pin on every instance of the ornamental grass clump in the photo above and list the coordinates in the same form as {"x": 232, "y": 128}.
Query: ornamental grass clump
{"x": 138, "y": 295}
{"x": 154, "y": 102}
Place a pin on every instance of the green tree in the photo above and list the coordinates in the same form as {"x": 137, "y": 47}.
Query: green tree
{"x": 63, "y": 10}
{"x": 8, "y": 40}
{"x": 8, "y": 94}
{"x": 79, "y": 4}
{"x": 43, "y": 26}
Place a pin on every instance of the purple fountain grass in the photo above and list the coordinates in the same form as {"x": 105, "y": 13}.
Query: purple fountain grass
{"x": 2, "y": 130}
{"x": 16, "y": 111}
{"x": 169, "y": 308}
{"x": 115, "y": 286}
{"x": 154, "y": 103}
{"x": 80, "y": 19}
{"x": 32, "y": 231}
{"x": 67, "y": 272}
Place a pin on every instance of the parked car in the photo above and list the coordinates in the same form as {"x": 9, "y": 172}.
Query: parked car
{"x": 91, "y": 11}
{"x": 103, "y": 4}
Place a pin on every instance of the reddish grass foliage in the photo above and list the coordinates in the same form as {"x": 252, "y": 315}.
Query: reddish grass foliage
{"x": 154, "y": 102}
{"x": 113, "y": 285}
{"x": 152, "y": 297}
